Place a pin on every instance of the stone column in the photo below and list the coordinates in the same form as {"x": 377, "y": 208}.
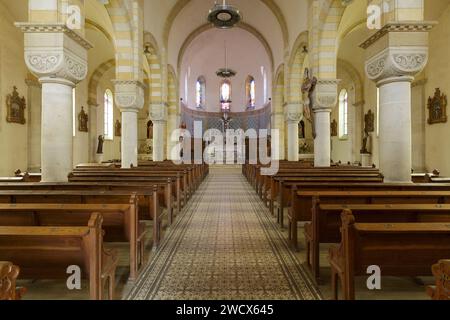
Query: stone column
{"x": 278, "y": 120}
{"x": 294, "y": 114}
{"x": 158, "y": 115}
{"x": 58, "y": 57}
{"x": 34, "y": 102}
{"x": 325, "y": 99}
{"x": 392, "y": 65}
{"x": 129, "y": 98}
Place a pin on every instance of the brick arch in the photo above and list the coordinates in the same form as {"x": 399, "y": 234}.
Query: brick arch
{"x": 122, "y": 21}
{"x": 155, "y": 77}
{"x": 95, "y": 79}
{"x": 327, "y": 19}
{"x": 172, "y": 92}
{"x": 295, "y": 67}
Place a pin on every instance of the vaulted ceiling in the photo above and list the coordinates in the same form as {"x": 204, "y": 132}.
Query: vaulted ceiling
{"x": 278, "y": 22}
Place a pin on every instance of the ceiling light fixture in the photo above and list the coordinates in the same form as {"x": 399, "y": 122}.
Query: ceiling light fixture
{"x": 224, "y": 16}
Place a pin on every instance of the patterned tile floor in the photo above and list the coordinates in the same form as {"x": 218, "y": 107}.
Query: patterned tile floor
{"x": 224, "y": 246}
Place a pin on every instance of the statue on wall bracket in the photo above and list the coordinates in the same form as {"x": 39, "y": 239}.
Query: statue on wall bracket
{"x": 16, "y": 107}
{"x": 369, "y": 127}
{"x": 437, "y": 108}
{"x": 308, "y": 87}
{"x": 83, "y": 119}
{"x": 118, "y": 129}
{"x": 334, "y": 128}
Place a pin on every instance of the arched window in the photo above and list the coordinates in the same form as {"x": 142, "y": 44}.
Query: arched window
{"x": 200, "y": 92}
{"x": 343, "y": 114}
{"x": 108, "y": 115}
{"x": 250, "y": 92}
{"x": 225, "y": 95}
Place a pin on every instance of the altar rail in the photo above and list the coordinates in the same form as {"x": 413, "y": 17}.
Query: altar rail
{"x": 252, "y": 119}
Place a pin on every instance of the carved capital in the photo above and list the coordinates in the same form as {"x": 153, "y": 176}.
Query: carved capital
{"x": 159, "y": 112}
{"x": 395, "y": 62}
{"x": 129, "y": 95}
{"x": 293, "y": 112}
{"x": 55, "y": 52}
{"x": 325, "y": 94}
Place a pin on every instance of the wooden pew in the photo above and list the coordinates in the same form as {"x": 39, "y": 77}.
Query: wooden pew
{"x": 46, "y": 252}
{"x": 286, "y": 184}
{"x": 8, "y": 277}
{"x": 120, "y": 222}
{"x": 326, "y": 219}
{"x": 305, "y": 201}
{"x": 148, "y": 203}
{"x": 171, "y": 193}
{"x": 277, "y": 182}
{"x": 383, "y": 245}
{"x": 441, "y": 273}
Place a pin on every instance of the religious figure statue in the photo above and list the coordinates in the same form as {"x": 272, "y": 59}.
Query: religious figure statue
{"x": 149, "y": 129}
{"x": 83, "y": 119}
{"x": 437, "y": 107}
{"x": 301, "y": 130}
{"x": 118, "y": 129}
{"x": 308, "y": 87}
{"x": 101, "y": 140}
{"x": 369, "y": 121}
{"x": 334, "y": 128}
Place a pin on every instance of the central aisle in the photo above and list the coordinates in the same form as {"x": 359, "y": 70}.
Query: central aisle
{"x": 224, "y": 246}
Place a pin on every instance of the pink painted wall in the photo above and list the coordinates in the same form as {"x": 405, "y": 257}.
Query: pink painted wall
{"x": 205, "y": 56}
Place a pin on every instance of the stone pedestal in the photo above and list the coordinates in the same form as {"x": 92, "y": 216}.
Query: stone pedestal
{"x": 99, "y": 158}
{"x": 366, "y": 160}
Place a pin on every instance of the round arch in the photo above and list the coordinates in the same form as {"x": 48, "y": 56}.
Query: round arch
{"x": 95, "y": 79}
{"x": 181, "y": 4}
{"x": 208, "y": 26}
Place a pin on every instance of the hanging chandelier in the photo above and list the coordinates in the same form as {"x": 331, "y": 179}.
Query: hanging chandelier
{"x": 224, "y": 16}
{"x": 226, "y": 72}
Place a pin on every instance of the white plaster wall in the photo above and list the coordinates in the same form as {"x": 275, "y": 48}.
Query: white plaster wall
{"x": 206, "y": 55}
{"x": 111, "y": 148}
{"x": 13, "y": 72}
{"x": 438, "y": 74}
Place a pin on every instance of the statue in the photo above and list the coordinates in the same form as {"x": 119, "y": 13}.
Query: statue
{"x": 118, "y": 129}
{"x": 308, "y": 87}
{"x": 301, "y": 130}
{"x": 101, "y": 139}
{"x": 149, "y": 129}
{"x": 334, "y": 128}
{"x": 369, "y": 121}
{"x": 83, "y": 119}
{"x": 369, "y": 127}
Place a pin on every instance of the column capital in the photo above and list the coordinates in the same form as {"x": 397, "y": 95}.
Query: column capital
{"x": 293, "y": 112}
{"x": 325, "y": 95}
{"x": 397, "y": 62}
{"x": 55, "y": 53}
{"x": 397, "y": 52}
{"x": 129, "y": 95}
{"x": 159, "y": 112}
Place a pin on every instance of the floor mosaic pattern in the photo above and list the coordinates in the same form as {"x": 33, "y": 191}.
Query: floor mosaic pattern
{"x": 224, "y": 245}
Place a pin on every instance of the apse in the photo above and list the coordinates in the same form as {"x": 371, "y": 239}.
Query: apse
{"x": 236, "y": 49}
